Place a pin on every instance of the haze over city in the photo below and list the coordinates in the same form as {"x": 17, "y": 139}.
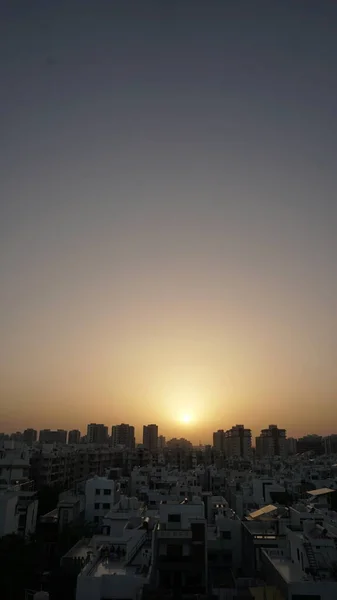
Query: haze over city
{"x": 168, "y": 215}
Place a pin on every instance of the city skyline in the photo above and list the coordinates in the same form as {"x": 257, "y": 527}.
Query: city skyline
{"x": 179, "y": 434}
{"x": 168, "y": 223}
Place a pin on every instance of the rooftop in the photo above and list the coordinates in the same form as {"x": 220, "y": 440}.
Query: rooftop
{"x": 264, "y": 511}
{"x": 320, "y": 492}
{"x": 289, "y": 571}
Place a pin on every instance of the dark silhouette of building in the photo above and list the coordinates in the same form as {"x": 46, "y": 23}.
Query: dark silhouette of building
{"x": 74, "y": 436}
{"x": 219, "y": 440}
{"x": 48, "y": 436}
{"x": 97, "y": 433}
{"x": 150, "y": 437}
{"x": 30, "y": 436}
{"x": 123, "y": 435}
{"x": 271, "y": 442}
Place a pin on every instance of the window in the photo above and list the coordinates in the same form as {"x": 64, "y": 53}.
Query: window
{"x": 173, "y": 518}
{"x": 107, "y": 492}
{"x": 106, "y": 505}
{"x": 96, "y": 505}
{"x": 97, "y": 492}
{"x": 174, "y": 551}
{"x": 96, "y": 519}
{"x": 298, "y": 555}
{"x": 226, "y": 535}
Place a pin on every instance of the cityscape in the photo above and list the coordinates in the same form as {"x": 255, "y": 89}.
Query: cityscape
{"x": 100, "y": 516}
{"x": 168, "y": 313}
{"x": 236, "y": 441}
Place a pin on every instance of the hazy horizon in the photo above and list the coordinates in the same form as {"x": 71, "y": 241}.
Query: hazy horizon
{"x": 168, "y": 218}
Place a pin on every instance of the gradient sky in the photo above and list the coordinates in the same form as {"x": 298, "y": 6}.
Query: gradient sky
{"x": 168, "y": 214}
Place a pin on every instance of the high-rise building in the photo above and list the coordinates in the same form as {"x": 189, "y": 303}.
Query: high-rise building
{"x": 74, "y": 436}
{"x": 29, "y": 436}
{"x": 17, "y": 436}
{"x": 238, "y": 442}
{"x": 330, "y": 444}
{"x": 271, "y": 442}
{"x": 161, "y": 442}
{"x": 219, "y": 440}
{"x": 291, "y": 446}
{"x": 97, "y": 433}
{"x": 123, "y": 435}
{"x": 150, "y": 437}
{"x": 311, "y": 443}
{"x": 179, "y": 443}
{"x": 48, "y": 436}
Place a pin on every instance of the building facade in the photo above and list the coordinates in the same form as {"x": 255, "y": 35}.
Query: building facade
{"x": 123, "y": 435}
{"x": 74, "y": 436}
{"x": 30, "y": 436}
{"x": 219, "y": 440}
{"x": 48, "y": 436}
{"x": 150, "y": 437}
{"x": 97, "y": 433}
{"x": 271, "y": 442}
{"x": 238, "y": 442}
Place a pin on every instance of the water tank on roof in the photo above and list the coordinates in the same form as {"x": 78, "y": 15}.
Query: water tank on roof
{"x": 41, "y": 596}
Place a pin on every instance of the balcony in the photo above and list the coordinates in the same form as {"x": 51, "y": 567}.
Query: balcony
{"x": 174, "y": 533}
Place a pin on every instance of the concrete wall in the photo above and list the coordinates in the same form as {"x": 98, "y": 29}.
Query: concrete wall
{"x": 91, "y": 498}
{"x": 8, "y": 518}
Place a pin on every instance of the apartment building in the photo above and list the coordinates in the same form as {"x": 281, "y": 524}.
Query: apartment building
{"x": 271, "y": 442}
{"x": 30, "y": 436}
{"x": 180, "y": 548}
{"x": 97, "y": 433}
{"x": 57, "y": 436}
{"x": 150, "y": 437}
{"x": 101, "y": 494}
{"x": 219, "y": 440}
{"x": 123, "y": 435}
{"x": 74, "y": 436}
{"x": 238, "y": 442}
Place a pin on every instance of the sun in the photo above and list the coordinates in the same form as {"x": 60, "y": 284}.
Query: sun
{"x": 186, "y": 418}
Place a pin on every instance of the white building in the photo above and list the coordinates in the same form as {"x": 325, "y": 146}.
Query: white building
{"x": 180, "y": 547}
{"x": 101, "y": 494}
{"x": 113, "y": 566}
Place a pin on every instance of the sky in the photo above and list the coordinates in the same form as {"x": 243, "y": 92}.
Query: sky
{"x": 168, "y": 214}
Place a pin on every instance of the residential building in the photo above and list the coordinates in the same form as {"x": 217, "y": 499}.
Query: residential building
{"x": 179, "y": 443}
{"x": 30, "y": 436}
{"x": 238, "y": 442}
{"x": 18, "y": 511}
{"x": 150, "y": 437}
{"x": 291, "y": 446}
{"x": 161, "y": 442}
{"x": 310, "y": 443}
{"x": 101, "y": 494}
{"x": 58, "y": 436}
{"x": 123, "y": 435}
{"x": 14, "y": 465}
{"x": 180, "y": 548}
{"x": 97, "y": 434}
{"x": 271, "y": 442}
{"x": 111, "y": 566}
{"x": 74, "y": 436}
{"x": 219, "y": 440}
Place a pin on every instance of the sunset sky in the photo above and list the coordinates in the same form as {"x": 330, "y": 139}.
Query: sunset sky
{"x": 168, "y": 214}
